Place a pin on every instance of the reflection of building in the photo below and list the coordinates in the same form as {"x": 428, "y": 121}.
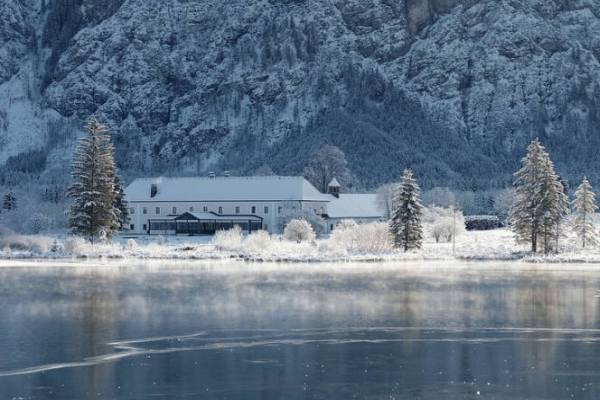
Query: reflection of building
{"x": 208, "y": 204}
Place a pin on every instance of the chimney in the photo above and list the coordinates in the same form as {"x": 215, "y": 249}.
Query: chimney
{"x": 226, "y": 174}
{"x": 212, "y": 175}
{"x": 153, "y": 190}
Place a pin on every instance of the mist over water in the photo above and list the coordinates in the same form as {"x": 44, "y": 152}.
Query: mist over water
{"x": 269, "y": 331}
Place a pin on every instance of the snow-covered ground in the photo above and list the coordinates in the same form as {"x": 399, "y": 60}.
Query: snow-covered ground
{"x": 484, "y": 246}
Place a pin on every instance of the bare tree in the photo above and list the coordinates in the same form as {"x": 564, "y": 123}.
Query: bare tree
{"x": 386, "y": 195}
{"x": 327, "y": 163}
{"x": 439, "y": 196}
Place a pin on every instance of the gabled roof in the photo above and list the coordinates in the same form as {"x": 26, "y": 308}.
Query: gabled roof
{"x": 255, "y": 188}
{"x": 351, "y": 205}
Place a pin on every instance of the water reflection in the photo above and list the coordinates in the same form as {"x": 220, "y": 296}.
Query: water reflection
{"x": 303, "y": 331}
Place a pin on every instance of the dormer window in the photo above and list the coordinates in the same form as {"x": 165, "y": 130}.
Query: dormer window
{"x": 153, "y": 190}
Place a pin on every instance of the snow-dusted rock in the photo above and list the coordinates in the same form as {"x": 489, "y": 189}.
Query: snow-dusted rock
{"x": 186, "y": 85}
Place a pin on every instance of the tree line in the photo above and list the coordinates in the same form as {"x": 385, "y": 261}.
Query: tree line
{"x": 538, "y": 214}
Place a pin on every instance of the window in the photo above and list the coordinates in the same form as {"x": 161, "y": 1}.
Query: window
{"x": 144, "y": 210}
{"x": 315, "y": 211}
{"x": 192, "y": 209}
{"x": 174, "y": 210}
{"x": 253, "y": 209}
{"x": 132, "y": 211}
{"x": 331, "y": 227}
{"x": 237, "y": 209}
{"x": 279, "y": 209}
{"x": 266, "y": 209}
{"x": 220, "y": 210}
{"x": 144, "y": 227}
{"x": 157, "y": 210}
{"x": 132, "y": 227}
{"x": 205, "y": 209}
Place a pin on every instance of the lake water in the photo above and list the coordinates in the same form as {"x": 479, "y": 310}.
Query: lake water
{"x": 237, "y": 331}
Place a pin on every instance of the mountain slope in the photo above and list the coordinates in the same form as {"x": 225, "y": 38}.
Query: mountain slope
{"x": 453, "y": 88}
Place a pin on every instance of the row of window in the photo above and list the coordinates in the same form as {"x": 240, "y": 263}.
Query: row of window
{"x": 157, "y": 210}
{"x": 165, "y": 226}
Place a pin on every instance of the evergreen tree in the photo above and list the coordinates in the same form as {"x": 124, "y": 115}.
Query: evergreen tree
{"x": 405, "y": 226}
{"x": 121, "y": 204}
{"x": 93, "y": 211}
{"x": 585, "y": 208}
{"x": 540, "y": 201}
{"x": 555, "y": 206}
{"x": 9, "y": 202}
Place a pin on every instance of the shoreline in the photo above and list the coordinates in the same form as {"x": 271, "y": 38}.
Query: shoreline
{"x": 341, "y": 260}
{"x": 471, "y": 247}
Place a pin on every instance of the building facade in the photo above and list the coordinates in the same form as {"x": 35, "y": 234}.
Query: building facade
{"x": 204, "y": 205}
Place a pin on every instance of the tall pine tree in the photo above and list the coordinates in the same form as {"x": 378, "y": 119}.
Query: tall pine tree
{"x": 121, "y": 203}
{"x": 9, "y": 202}
{"x": 541, "y": 204}
{"x": 405, "y": 226}
{"x": 584, "y": 206}
{"x": 93, "y": 212}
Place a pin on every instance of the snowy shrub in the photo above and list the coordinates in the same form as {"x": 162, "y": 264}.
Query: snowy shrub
{"x": 441, "y": 223}
{"x": 318, "y": 224}
{"x": 230, "y": 240}
{"x": 76, "y": 245}
{"x": 361, "y": 238}
{"x": 37, "y": 223}
{"x": 55, "y": 248}
{"x": 131, "y": 244}
{"x": 299, "y": 230}
{"x": 7, "y": 252}
{"x": 34, "y": 244}
{"x": 258, "y": 242}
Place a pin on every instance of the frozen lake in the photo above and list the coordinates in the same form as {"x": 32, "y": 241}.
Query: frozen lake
{"x": 235, "y": 331}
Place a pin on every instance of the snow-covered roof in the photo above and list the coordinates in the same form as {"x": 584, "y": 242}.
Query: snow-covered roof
{"x": 351, "y": 205}
{"x": 254, "y": 188}
{"x": 334, "y": 183}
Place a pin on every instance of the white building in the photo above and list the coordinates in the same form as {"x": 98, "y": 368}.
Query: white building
{"x": 203, "y": 205}
{"x": 359, "y": 207}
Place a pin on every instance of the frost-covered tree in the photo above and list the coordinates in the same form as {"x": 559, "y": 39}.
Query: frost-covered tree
{"x": 406, "y": 226}
{"x": 584, "y": 207}
{"x": 318, "y": 223}
{"x": 327, "y": 163}
{"x": 439, "y": 196}
{"x": 299, "y": 230}
{"x": 38, "y": 223}
{"x": 503, "y": 201}
{"x": 540, "y": 202}
{"x": 121, "y": 204}
{"x": 93, "y": 212}
{"x": 555, "y": 207}
{"x": 9, "y": 202}
{"x": 385, "y": 198}
{"x": 443, "y": 223}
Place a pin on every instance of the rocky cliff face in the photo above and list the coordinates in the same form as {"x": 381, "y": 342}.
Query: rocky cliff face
{"x": 453, "y": 88}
